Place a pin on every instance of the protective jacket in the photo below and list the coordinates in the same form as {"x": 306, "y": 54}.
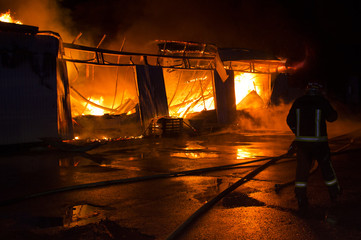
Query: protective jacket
{"x": 307, "y": 118}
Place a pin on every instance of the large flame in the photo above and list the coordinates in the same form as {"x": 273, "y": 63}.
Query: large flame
{"x": 252, "y": 90}
{"x": 244, "y": 83}
{"x": 6, "y": 17}
{"x": 93, "y": 110}
{"x": 188, "y": 92}
{"x": 183, "y": 111}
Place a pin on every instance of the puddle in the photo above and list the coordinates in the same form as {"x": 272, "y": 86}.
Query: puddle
{"x": 194, "y": 154}
{"x": 236, "y": 199}
{"x": 120, "y": 165}
{"x": 76, "y": 161}
{"x": 193, "y": 151}
{"x": 103, "y": 229}
{"x": 87, "y": 221}
{"x": 211, "y": 189}
{"x": 84, "y": 214}
{"x": 244, "y": 153}
{"x": 232, "y": 200}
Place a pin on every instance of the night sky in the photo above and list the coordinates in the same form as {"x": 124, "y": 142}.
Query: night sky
{"x": 328, "y": 34}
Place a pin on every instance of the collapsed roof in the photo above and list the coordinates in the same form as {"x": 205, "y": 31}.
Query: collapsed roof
{"x": 181, "y": 79}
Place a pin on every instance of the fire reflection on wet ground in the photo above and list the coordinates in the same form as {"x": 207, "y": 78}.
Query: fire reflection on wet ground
{"x": 144, "y": 157}
{"x": 208, "y": 151}
{"x": 83, "y": 214}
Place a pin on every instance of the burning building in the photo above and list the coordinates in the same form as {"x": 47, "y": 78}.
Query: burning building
{"x": 182, "y": 80}
{"x": 49, "y": 87}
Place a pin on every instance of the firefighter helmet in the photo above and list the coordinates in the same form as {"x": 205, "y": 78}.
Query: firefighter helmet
{"x": 314, "y": 88}
{"x": 314, "y": 85}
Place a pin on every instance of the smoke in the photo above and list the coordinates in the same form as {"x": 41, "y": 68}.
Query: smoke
{"x": 223, "y": 23}
{"x": 279, "y": 27}
{"x": 259, "y": 24}
{"x": 45, "y": 14}
{"x": 272, "y": 118}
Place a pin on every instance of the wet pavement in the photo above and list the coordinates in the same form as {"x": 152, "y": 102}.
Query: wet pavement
{"x": 154, "y": 208}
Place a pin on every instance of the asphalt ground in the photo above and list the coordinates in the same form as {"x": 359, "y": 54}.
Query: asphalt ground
{"x": 153, "y": 209}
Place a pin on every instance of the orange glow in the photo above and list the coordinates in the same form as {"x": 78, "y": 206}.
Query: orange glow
{"x": 93, "y": 110}
{"x": 117, "y": 87}
{"x": 81, "y": 215}
{"x": 252, "y": 90}
{"x": 195, "y": 155}
{"x": 6, "y": 17}
{"x": 296, "y": 66}
{"x": 186, "y": 109}
{"x": 188, "y": 92}
{"x": 245, "y": 153}
{"x": 131, "y": 111}
{"x": 244, "y": 83}
{"x": 253, "y": 151}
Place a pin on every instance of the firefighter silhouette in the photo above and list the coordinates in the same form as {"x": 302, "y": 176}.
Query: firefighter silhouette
{"x": 307, "y": 120}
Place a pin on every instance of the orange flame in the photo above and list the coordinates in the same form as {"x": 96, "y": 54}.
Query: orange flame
{"x": 187, "y": 109}
{"x": 244, "y": 83}
{"x": 92, "y": 110}
{"x": 6, "y": 17}
{"x": 252, "y": 90}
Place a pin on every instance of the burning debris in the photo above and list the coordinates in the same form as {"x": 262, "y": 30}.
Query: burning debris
{"x": 178, "y": 81}
{"x": 6, "y": 17}
{"x": 116, "y": 93}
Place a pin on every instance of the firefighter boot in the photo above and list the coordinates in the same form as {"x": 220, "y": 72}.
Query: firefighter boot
{"x": 331, "y": 213}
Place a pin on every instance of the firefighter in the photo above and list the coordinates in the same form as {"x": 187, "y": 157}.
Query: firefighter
{"x": 307, "y": 120}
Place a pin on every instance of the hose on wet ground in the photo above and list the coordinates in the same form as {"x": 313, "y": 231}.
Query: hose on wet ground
{"x": 280, "y": 186}
{"x": 203, "y": 209}
{"x": 131, "y": 180}
{"x": 135, "y": 179}
{"x": 175, "y": 234}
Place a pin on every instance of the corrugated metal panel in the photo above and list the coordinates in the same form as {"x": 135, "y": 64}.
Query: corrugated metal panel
{"x": 28, "y": 88}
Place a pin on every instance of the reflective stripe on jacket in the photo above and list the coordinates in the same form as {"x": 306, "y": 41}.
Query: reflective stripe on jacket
{"x": 307, "y": 118}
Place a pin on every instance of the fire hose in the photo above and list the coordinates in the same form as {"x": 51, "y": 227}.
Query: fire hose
{"x": 280, "y": 186}
{"x": 131, "y": 180}
{"x": 147, "y": 178}
{"x": 200, "y": 211}
{"x": 181, "y": 228}
{"x": 212, "y": 202}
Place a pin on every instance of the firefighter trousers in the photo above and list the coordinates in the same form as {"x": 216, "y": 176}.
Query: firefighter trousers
{"x": 307, "y": 152}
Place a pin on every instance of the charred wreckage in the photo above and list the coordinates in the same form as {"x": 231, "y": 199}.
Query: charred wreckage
{"x": 51, "y": 89}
